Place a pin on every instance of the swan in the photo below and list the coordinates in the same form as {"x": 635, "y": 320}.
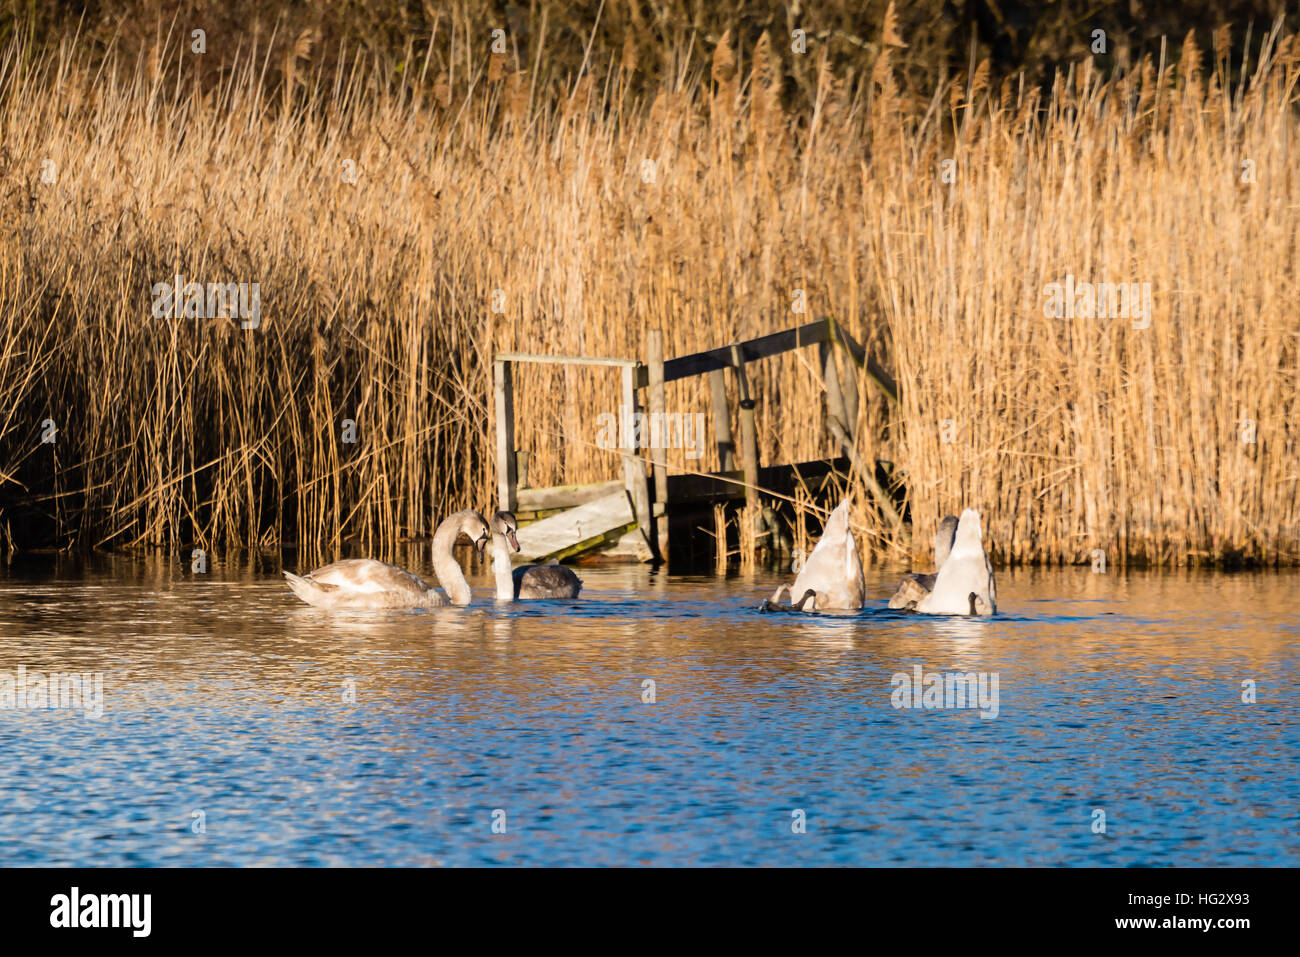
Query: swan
{"x": 832, "y": 572}
{"x": 964, "y": 585}
{"x": 367, "y": 583}
{"x": 526, "y": 581}
{"x": 915, "y": 587}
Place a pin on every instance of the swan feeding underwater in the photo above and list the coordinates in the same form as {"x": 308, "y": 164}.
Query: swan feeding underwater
{"x": 916, "y": 586}
{"x": 832, "y": 573}
{"x": 964, "y": 584}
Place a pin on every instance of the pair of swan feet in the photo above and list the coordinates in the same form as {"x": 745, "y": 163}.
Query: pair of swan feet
{"x": 831, "y": 579}
{"x": 364, "y": 583}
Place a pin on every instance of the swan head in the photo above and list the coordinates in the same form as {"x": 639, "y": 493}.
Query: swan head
{"x": 476, "y": 529}
{"x": 503, "y": 523}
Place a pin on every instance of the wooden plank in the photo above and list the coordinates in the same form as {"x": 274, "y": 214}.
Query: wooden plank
{"x": 621, "y": 542}
{"x": 566, "y": 360}
{"x": 849, "y": 392}
{"x": 634, "y": 473}
{"x": 658, "y": 454}
{"x": 722, "y": 421}
{"x": 728, "y": 486}
{"x": 831, "y": 383}
{"x": 560, "y": 533}
{"x": 748, "y": 426}
{"x": 504, "y": 391}
{"x": 621, "y": 548}
{"x": 565, "y": 496}
{"x": 874, "y": 370}
{"x": 682, "y": 367}
{"x": 525, "y": 517}
{"x": 749, "y": 350}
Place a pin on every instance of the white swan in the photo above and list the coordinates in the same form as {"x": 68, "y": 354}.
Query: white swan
{"x": 833, "y": 572}
{"x": 964, "y": 585}
{"x": 915, "y": 587}
{"x": 527, "y": 581}
{"x": 367, "y": 583}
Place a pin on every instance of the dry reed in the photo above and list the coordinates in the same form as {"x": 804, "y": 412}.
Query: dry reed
{"x": 493, "y": 207}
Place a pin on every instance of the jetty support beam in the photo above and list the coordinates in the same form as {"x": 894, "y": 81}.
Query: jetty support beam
{"x": 658, "y": 451}
{"x": 504, "y": 392}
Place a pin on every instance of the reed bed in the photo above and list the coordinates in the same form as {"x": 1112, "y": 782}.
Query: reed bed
{"x": 402, "y": 228}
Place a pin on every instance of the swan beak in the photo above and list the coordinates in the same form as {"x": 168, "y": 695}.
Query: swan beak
{"x": 510, "y": 537}
{"x": 481, "y": 544}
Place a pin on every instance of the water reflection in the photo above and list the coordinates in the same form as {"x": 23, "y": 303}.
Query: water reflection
{"x": 307, "y": 737}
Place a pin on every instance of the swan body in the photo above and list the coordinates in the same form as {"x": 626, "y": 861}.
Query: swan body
{"x": 964, "y": 585}
{"x": 365, "y": 583}
{"x": 915, "y": 587}
{"x": 526, "y": 582}
{"x": 833, "y": 572}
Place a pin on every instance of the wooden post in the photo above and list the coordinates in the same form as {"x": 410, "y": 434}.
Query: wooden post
{"x": 849, "y": 392}
{"x": 835, "y": 409}
{"x": 507, "y": 488}
{"x": 748, "y": 428}
{"x": 634, "y": 475}
{"x": 722, "y": 421}
{"x": 521, "y": 469}
{"x": 658, "y": 410}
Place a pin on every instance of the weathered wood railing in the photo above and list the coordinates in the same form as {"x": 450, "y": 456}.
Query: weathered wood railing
{"x": 656, "y": 372}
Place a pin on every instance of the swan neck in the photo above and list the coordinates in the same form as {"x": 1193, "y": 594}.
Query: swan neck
{"x": 502, "y": 570}
{"x": 445, "y": 565}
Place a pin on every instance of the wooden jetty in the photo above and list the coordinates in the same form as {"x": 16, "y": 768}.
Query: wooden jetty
{"x": 631, "y": 517}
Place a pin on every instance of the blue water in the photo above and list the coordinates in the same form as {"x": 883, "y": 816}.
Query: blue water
{"x": 225, "y": 738}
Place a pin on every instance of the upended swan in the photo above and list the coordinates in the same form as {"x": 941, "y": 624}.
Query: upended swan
{"x": 527, "y": 581}
{"x": 964, "y": 584}
{"x": 832, "y": 573}
{"x": 915, "y": 587}
{"x": 363, "y": 583}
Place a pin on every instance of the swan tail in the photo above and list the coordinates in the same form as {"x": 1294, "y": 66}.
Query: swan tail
{"x": 312, "y": 592}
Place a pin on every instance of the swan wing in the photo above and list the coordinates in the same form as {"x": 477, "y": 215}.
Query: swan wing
{"x": 911, "y": 591}
{"x": 366, "y": 576}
